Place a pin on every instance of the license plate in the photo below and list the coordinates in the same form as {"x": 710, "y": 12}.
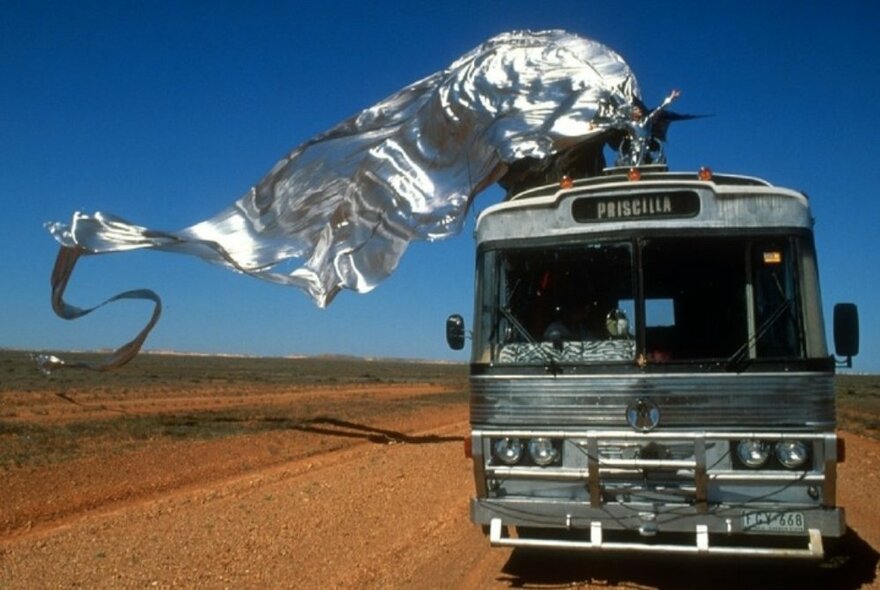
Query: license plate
{"x": 784, "y": 522}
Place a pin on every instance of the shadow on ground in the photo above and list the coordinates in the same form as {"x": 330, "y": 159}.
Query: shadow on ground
{"x": 855, "y": 566}
{"x": 343, "y": 428}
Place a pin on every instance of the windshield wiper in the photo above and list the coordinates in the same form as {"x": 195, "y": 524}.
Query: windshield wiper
{"x": 737, "y": 361}
{"x": 550, "y": 363}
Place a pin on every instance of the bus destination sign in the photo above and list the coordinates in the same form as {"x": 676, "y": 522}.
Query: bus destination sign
{"x": 638, "y": 206}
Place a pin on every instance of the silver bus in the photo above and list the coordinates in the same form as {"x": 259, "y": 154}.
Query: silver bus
{"x": 649, "y": 369}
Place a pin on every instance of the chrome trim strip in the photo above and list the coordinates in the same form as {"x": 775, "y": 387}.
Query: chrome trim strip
{"x": 683, "y": 435}
{"x": 814, "y": 550}
{"x": 748, "y": 476}
{"x": 479, "y": 466}
{"x": 568, "y": 474}
{"x": 700, "y": 473}
{"x": 829, "y": 491}
{"x": 647, "y": 463}
{"x": 652, "y": 376}
{"x": 594, "y": 482}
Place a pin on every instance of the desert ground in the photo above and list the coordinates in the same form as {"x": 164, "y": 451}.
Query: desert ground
{"x": 184, "y": 472}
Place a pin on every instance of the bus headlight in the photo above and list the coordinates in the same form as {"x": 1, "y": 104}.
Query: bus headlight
{"x": 542, "y": 451}
{"x": 508, "y": 450}
{"x": 791, "y": 453}
{"x": 752, "y": 453}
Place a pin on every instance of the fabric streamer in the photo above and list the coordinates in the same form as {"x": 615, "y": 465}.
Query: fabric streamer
{"x": 348, "y": 202}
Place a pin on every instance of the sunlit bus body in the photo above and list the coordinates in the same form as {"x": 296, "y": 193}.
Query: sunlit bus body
{"x": 649, "y": 369}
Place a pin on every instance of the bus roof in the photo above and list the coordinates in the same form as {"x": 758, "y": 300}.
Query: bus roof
{"x": 655, "y": 200}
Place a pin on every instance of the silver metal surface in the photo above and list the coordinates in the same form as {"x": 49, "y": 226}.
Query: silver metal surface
{"x": 732, "y": 207}
{"x": 720, "y": 400}
{"x": 829, "y": 489}
{"x": 348, "y": 201}
{"x": 607, "y": 467}
{"x": 675, "y": 435}
{"x": 671, "y": 517}
{"x": 687, "y": 488}
{"x": 702, "y": 544}
{"x": 345, "y": 204}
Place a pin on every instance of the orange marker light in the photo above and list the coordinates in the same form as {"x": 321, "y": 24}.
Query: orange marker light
{"x": 772, "y": 257}
{"x": 634, "y": 174}
{"x": 705, "y": 174}
{"x": 566, "y": 182}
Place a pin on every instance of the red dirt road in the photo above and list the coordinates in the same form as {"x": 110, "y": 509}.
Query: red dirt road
{"x": 367, "y": 490}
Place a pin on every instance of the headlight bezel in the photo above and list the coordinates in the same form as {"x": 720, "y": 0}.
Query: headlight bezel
{"x": 786, "y": 454}
{"x": 501, "y": 448}
{"x": 538, "y": 451}
{"x": 753, "y": 453}
{"x": 783, "y": 453}
{"x": 543, "y": 451}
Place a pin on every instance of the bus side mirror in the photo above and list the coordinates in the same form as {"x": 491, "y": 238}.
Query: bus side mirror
{"x": 846, "y": 331}
{"x": 455, "y": 332}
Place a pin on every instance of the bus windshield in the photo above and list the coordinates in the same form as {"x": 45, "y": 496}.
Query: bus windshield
{"x": 648, "y": 300}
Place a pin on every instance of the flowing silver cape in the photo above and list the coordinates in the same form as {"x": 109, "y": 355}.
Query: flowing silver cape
{"x": 348, "y": 202}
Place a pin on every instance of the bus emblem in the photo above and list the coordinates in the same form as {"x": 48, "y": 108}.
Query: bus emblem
{"x": 642, "y": 415}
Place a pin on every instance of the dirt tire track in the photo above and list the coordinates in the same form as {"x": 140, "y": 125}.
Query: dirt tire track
{"x": 70, "y": 405}
{"x": 68, "y": 497}
{"x": 340, "y": 484}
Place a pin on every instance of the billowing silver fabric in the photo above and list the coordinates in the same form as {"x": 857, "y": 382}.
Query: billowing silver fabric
{"x": 347, "y": 203}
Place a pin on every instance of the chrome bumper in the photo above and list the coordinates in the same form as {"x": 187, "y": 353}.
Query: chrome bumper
{"x": 701, "y": 545}
{"x": 699, "y": 505}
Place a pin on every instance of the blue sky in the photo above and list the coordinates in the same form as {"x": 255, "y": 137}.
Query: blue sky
{"x": 166, "y": 112}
